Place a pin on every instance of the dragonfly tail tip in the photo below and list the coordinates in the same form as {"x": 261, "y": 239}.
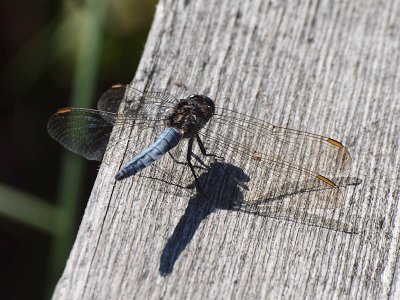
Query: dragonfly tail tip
{"x": 120, "y": 175}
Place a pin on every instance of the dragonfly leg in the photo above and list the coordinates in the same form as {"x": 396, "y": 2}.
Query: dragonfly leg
{"x": 203, "y": 149}
{"x": 176, "y": 160}
{"x": 189, "y": 162}
{"x": 185, "y": 162}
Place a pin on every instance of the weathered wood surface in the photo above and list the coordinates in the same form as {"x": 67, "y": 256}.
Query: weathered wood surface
{"x": 329, "y": 67}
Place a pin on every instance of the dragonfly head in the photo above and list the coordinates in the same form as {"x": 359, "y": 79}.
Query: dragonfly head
{"x": 191, "y": 114}
{"x": 204, "y": 102}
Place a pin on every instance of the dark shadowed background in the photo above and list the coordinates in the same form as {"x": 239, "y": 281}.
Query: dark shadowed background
{"x": 40, "y": 58}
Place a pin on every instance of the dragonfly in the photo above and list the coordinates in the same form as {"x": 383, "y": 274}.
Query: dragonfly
{"x": 192, "y": 133}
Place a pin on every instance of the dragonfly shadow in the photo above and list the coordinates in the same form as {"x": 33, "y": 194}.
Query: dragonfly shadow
{"x": 214, "y": 183}
{"x": 225, "y": 184}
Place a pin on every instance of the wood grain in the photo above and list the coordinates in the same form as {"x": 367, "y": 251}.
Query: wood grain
{"x": 327, "y": 67}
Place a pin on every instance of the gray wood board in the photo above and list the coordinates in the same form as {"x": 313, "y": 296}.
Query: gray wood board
{"x": 329, "y": 67}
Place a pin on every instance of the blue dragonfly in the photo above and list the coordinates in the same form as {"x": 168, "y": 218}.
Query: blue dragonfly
{"x": 192, "y": 133}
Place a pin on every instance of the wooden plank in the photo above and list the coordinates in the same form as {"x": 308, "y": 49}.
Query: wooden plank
{"x": 328, "y": 67}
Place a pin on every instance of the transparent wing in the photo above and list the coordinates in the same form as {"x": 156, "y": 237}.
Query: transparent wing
{"x": 82, "y": 131}
{"x": 320, "y": 154}
{"x": 87, "y": 132}
{"x": 148, "y": 103}
{"x": 112, "y": 98}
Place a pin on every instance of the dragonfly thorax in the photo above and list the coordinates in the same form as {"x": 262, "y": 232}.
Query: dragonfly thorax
{"x": 191, "y": 114}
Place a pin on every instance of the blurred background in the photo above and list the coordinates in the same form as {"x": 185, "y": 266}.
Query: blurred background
{"x": 53, "y": 54}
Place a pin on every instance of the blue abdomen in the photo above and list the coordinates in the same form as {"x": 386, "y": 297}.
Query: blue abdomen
{"x": 167, "y": 140}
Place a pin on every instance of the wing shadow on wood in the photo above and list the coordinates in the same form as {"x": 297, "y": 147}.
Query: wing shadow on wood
{"x": 225, "y": 185}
